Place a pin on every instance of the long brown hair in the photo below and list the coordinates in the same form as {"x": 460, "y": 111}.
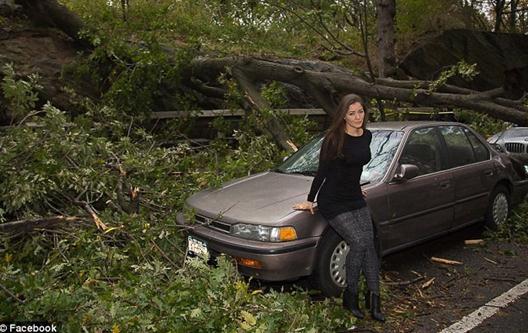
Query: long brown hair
{"x": 335, "y": 135}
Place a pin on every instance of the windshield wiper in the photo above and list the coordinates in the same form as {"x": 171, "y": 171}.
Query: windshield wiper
{"x": 302, "y": 172}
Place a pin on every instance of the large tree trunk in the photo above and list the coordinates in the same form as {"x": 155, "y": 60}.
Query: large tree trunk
{"x": 513, "y": 15}
{"x": 498, "y": 7}
{"x": 387, "y": 58}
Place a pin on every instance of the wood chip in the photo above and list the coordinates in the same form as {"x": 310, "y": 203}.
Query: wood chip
{"x": 420, "y": 292}
{"x": 473, "y": 241}
{"x": 416, "y": 273}
{"x": 445, "y": 261}
{"x": 489, "y": 260}
{"x": 428, "y": 283}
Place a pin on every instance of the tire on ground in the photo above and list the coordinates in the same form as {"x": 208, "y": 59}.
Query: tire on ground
{"x": 499, "y": 199}
{"x": 321, "y": 275}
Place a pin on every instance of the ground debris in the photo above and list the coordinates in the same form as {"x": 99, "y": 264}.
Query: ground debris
{"x": 446, "y": 261}
{"x": 428, "y": 283}
{"x": 474, "y": 241}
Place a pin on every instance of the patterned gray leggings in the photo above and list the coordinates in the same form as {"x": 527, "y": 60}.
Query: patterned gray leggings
{"x": 355, "y": 227}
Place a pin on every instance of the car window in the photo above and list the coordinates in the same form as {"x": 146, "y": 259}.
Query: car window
{"x": 423, "y": 150}
{"x": 459, "y": 148}
{"x": 481, "y": 152}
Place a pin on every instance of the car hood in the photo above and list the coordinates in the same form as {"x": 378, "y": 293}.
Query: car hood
{"x": 264, "y": 198}
{"x": 519, "y": 139}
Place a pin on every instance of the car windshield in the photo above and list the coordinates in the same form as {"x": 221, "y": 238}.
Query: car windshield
{"x": 516, "y": 133}
{"x": 383, "y": 147}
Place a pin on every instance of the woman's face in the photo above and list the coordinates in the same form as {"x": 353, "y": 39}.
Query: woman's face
{"x": 355, "y": 115}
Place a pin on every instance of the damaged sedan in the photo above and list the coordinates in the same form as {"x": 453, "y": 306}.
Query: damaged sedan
{"x": 425, "y": 179}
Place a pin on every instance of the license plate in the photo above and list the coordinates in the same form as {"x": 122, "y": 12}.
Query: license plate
{"x": 197, "y": 248}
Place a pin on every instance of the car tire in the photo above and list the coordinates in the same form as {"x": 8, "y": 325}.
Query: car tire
{"x": 498, "y": 207}
{"x": 328, "y": 275}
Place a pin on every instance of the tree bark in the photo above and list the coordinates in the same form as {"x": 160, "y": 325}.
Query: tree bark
{"x": 386, "y": 38}
{"x": 273, "y": 126}
{"x": 513, "y": 15}
{"x": 498, "y": 8}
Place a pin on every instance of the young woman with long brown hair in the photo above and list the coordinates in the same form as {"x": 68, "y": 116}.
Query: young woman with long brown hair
{"x": 344, "y": 152}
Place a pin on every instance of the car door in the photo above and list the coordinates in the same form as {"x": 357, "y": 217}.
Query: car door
{"x": 420, "y": 207}
{"x": 472, "y": 170}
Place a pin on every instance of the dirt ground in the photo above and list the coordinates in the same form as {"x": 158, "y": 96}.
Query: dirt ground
{"x": 487, "y": 270}
{"x": 425, "y": 296}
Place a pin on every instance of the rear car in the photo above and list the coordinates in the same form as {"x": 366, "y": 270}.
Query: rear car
{"x": 425, "y": 179}
{"x": 512, "y": 140}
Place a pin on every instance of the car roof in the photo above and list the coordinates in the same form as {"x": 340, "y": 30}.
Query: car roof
{"x": 407, "y": 125}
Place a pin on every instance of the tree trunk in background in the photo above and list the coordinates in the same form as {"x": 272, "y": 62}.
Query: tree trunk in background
{"x": 513, "y": 15}
{"x": 386, "y": 10}
{"x": 498, "y": 7}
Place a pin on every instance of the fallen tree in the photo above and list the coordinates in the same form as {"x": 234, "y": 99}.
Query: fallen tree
{"x": 333, "y": 81}
{"x": 323, "y": 82}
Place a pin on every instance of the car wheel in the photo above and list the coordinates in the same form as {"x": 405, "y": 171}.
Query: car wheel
{"x": 499, "y": 207}
{"x": 330, "y": 274}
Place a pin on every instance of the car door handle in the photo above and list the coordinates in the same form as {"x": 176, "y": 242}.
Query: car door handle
{"x": 444, "y": 185}
{"x": 488, "y": 172}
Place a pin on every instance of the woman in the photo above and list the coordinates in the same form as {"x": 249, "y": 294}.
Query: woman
{"x": 344, "y": 152}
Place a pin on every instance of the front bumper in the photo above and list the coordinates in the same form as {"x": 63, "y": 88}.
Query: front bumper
{"x": 280, "y": 261}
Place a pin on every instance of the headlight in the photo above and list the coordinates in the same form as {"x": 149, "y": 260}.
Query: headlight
{"x": 264, "y": 233}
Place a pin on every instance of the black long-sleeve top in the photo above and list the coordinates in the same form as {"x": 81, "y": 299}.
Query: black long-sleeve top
{"x": 337, "y": 180}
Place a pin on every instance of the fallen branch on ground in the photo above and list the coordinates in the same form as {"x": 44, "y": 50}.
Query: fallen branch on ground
{"x": 489, "y": 260}
{"x": 473, "y": 241}
{"x": 445, "y": 261}
{"x": 91, "y": 211}
{"x": 26, "y": 226}
{"x": 428, "y": 283}
{"x": 7, "y": 291}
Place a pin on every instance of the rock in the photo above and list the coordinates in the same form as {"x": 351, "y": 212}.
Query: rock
{"x": 501, "y": 58}
{"x": 8, "y": 7}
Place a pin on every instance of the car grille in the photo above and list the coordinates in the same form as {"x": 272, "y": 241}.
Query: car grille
{"x": 515, "y": 147}
{"x": 213, "y": 224}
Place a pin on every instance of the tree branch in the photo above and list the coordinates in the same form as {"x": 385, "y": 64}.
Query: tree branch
{"x": 343, "y": 81}
{"x": 27, "y": 226}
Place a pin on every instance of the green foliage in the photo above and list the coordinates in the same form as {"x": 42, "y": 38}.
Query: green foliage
{"x": 516, "y": 228}
{"x": 88, "y": 283}
{"x": 461, "y": 69}
{"x": 417, "y": 17}
{"x": 130, "y": 277}
{"x": 133, "y": 76}
{"x": 20, "y": 95}
{"x": 482, "y": 123}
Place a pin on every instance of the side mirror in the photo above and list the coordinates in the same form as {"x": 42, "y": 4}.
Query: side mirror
{"x": 407, "y": 171}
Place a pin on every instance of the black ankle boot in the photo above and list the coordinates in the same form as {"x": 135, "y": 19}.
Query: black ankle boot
{"x": 350, "y": 302}
{"x": 374, "y": 304}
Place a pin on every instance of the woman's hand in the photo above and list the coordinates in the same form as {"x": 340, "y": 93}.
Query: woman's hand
{"x": 364, "y": 193}
{"x": 307, "y": 205}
